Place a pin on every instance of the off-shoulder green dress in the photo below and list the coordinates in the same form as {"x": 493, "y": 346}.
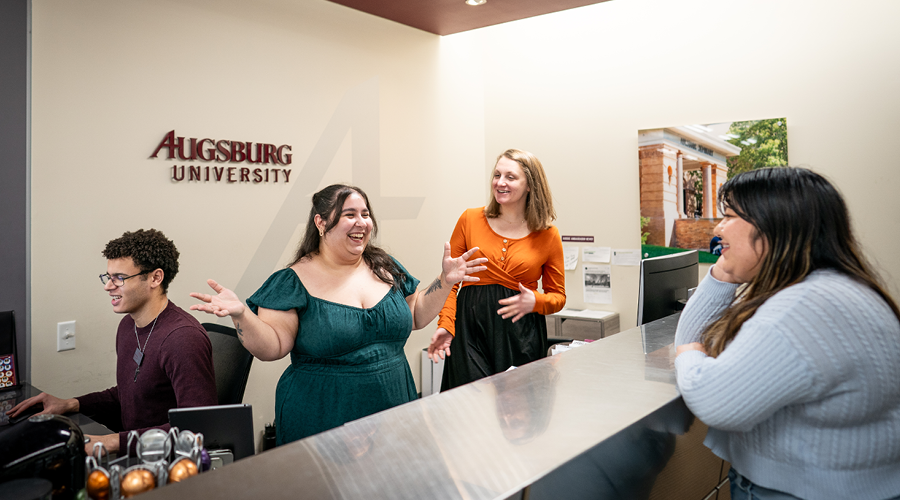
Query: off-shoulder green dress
{"x": 346, "y": 363}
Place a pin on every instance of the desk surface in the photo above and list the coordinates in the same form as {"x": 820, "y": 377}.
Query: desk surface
{"x": 87, "y": 425}
{"x": 485, "y": 440}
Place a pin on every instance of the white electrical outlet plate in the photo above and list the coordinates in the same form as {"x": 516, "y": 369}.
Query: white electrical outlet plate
{"x": 65, "y": 336}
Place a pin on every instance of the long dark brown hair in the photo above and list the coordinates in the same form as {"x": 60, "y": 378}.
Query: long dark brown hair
{"x": 539, "y": 212}
{"x": 328, "y": 204}
{"x": 804, "y": 223}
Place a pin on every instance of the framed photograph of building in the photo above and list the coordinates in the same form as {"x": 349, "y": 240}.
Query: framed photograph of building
{"x": 681, "y": 170}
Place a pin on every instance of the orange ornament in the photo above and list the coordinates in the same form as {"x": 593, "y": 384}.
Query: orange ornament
{"x": 137, "y": 481}
{"x": 181, "y": 470}
{"x": 98, "y": 485}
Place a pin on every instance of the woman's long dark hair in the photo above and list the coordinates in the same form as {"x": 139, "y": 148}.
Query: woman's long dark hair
{"x": 328, "y": 204}
{"x": 805, "y": 226}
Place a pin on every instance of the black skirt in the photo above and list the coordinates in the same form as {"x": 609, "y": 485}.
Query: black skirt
{"x": 485, "y": 343}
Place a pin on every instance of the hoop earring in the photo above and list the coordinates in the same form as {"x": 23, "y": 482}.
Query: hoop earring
{"x": 321, "y": 233}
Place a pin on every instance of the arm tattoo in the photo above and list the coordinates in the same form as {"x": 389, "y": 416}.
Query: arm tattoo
{"x": 436, "y": 285}
{"x": 240, "y": 333}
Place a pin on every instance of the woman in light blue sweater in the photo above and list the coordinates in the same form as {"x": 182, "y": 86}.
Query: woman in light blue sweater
{"x": 797, "y": 373}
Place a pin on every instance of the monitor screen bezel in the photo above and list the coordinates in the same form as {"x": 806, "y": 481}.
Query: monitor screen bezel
{"x": 222, "y": 426}
{"x": 671, "y": 263}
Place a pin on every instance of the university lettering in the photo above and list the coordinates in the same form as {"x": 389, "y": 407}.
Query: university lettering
{"x": 225, "y": 151}
{"x": 201, "y": 173}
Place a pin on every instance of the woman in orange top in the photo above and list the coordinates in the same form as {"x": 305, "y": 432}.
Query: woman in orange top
{"x": 499, "y": 322}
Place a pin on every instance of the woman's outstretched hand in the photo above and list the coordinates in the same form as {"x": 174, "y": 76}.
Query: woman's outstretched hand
{"x": 223, "y": 303}
{"x": 440, "y": 345}
{"x": 517, "y": 305}
{"x": 455, "y": 270}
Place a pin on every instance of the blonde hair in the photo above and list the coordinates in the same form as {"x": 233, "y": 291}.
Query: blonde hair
{"x": 539, "y": 212}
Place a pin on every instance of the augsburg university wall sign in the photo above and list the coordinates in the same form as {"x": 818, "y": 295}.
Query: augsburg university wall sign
{"x": 259, "y": 162}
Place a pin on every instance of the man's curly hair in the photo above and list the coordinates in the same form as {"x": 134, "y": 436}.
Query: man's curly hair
{"x": 149, "y": 249}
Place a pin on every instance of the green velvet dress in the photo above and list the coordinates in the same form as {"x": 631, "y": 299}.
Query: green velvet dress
{"x": 346, "y": 363}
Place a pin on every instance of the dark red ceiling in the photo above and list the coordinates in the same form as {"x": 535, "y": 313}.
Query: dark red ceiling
{"x": 445, "y": 17}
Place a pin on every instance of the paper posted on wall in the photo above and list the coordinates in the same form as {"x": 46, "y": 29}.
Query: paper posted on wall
{"x": 595, "y": 254}
{"x": 623, "y": 257}
{"x": 570, "y": 254}
{"x": 597, "y": 289}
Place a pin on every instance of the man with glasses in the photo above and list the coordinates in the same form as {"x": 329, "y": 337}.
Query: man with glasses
{"x": 163, "y": 355}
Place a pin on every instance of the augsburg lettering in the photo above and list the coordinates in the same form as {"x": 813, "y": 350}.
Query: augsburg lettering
{"x": 222, "y": 151}
{"x": 225, "y": 151}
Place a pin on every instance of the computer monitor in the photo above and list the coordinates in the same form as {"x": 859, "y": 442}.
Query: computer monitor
{"x": 222, "y": 426}
{"x": 665, "y": 282}
{"x": 10, "y": 378}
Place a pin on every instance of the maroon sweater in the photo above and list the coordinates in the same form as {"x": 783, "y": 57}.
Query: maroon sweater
{"x": 176, "y": 372}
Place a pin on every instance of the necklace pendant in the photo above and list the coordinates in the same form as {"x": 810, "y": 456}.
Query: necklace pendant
{"x": 136, "y": 371}
{"x": 138, "y": 356}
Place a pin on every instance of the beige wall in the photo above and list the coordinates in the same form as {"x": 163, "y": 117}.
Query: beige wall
{"x": 110, "y": 78}
{"x": 575, "y": 87}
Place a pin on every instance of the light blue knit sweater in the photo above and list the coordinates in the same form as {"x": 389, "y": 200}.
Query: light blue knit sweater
{"x": 806, "y": 398}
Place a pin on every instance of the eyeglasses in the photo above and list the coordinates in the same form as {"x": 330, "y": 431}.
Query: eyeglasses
{"x": 116, "y": 279}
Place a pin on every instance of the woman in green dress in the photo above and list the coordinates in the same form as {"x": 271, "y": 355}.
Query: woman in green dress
{"x": 343, "y": 311}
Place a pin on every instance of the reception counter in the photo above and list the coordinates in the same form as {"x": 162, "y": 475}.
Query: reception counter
{"x": 598, "y": 421}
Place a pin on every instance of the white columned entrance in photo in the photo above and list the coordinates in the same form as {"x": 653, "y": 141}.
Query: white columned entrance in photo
{"x": 708, "y": 191}
{"x": 679, "y": 190}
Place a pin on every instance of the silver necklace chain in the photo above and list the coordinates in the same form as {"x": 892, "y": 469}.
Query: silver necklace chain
{"x": 148, "y": 336}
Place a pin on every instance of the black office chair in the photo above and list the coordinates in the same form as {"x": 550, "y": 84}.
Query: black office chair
{"x": 231, "y": 362}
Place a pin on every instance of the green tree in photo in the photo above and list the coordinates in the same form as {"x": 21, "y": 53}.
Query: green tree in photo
{"x": 644, "y": 234}
{"x": 763, "y": 143}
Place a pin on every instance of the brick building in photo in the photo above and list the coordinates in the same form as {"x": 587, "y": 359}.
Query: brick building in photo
{"x": 670, "y": 159}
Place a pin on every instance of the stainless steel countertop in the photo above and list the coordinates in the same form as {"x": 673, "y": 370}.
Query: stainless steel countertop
{"x": 486, "y": 440}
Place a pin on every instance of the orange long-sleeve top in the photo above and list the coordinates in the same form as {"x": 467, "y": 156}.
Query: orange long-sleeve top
{"x": 510, "y": 261}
